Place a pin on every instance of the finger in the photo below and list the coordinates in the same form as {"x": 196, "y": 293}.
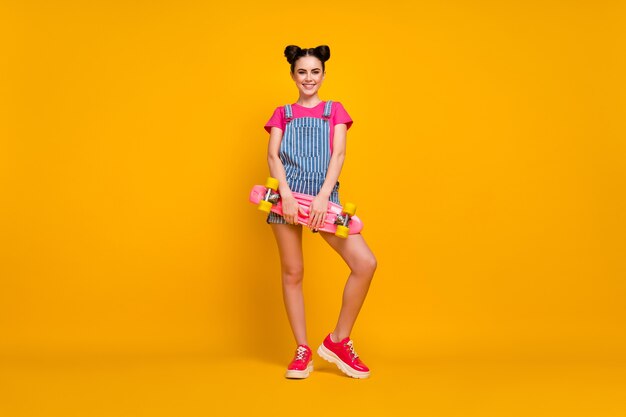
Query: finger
{"x": 318, "y": 220}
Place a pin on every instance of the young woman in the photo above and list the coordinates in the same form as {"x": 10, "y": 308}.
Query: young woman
{"x": 306, "y": 151}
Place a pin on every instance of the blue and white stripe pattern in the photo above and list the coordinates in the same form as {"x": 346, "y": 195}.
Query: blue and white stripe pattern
{"x": 305, "y": 154}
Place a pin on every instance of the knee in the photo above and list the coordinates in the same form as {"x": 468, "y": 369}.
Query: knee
{"x": 366, "y": 266}
{"x": 293, "y": 274}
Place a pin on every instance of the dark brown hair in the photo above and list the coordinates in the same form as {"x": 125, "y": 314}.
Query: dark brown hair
{"x": 293, "y": 53}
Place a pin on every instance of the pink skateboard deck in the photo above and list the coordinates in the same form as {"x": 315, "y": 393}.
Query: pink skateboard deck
{"x": 355, "y": 225}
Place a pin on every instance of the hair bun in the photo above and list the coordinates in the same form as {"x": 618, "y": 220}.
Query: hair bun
{"x": 323, "y": 52}
{"x": 292, "y": 52}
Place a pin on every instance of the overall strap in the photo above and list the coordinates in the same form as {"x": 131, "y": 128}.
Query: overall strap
{"x": 288, "y": 113}
{"x": 327, "y": 108}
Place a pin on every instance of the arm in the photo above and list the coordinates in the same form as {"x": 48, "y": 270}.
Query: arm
{"x": 319, "y": 205}
{"x": 277, "y": 170}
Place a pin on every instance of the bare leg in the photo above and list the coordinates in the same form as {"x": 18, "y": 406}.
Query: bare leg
{"x": 362, "y": 265}
{"x": 289, "y": 240}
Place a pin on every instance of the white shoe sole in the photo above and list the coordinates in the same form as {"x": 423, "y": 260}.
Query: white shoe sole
{"x": 293, "y": 374}
{"x": 328, "y": 355}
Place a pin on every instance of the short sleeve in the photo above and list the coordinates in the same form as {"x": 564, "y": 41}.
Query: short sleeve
{"x": 340, "y": 115}
{"x": 277, "y": 120}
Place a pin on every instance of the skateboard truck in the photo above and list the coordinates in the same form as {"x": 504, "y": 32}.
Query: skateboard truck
{"x": 343, "y": 220}
{"x": 271, "y": 196}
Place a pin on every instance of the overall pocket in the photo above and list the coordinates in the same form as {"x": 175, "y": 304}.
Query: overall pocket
{"x": 308, "y": 141}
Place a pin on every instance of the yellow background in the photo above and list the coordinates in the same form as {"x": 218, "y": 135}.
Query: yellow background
{"x": 487, "y": 159}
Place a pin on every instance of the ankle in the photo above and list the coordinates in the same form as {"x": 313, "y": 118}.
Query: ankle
{"x": 336, "y": 337}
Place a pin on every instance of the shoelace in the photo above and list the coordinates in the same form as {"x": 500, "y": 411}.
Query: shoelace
{"x": 349, "y": 344}
{"x": 300, "y": 353}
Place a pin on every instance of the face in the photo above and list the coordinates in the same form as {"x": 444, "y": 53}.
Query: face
{"x": 308, "y": 75}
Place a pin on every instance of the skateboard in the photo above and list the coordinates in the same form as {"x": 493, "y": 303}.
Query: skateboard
{"x": 339, "y": 220}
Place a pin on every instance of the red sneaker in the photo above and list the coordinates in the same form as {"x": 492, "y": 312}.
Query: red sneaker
{"x": 343, "y": 355}
{"x": 302, "y": 364}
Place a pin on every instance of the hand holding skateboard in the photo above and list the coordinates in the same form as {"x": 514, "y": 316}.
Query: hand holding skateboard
{"x": 340, "y": 221}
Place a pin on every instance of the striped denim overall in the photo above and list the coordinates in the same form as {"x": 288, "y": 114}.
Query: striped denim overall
{"x": 305, "y": 154}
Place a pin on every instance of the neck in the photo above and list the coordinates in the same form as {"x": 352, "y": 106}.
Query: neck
{"x": 309, "y": 101}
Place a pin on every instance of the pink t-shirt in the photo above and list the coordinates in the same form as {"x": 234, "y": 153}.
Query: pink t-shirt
{"x": 337, "y": 115}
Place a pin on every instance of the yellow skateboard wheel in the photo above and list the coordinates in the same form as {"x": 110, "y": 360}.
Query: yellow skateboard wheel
{"x": 265, "y": 206}
{"x": 349, "y": 208}
{"x": 342, "y": 231}
{"x": 271, "y": 183}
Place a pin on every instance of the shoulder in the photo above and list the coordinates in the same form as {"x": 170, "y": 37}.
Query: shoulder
{"x": 279, "y": 113}
{"x": 279, "y": 110}
{"x": 336, "y": 105}
{"x": 340, "y": 115}
{"x": 276, "y": 120}
{"x": 338, "y": 109}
